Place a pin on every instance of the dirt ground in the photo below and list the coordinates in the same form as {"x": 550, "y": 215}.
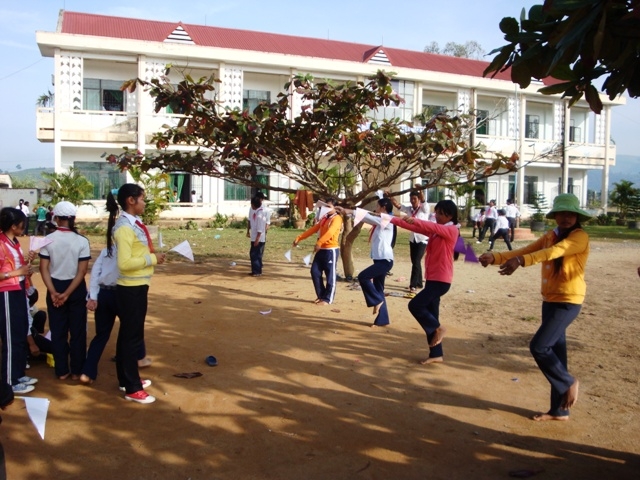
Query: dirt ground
{"x": 308, "y": 392}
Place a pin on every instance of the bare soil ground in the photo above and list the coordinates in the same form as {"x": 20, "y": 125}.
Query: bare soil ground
{"x": 308, "y": 392}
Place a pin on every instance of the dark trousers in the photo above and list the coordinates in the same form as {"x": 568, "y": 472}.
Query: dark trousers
{"x": 549, "y": 349}
{"x": 512, "y": 227}
{"x": 324, "y": 262}
{"x": 416, "y": 251}
{"x": 68, "y": 325}
{"x": 255, "y": 254}
{"x": 132, "y": 310}
{"x": 105, "y": 317}
{"x": 488, "y": 226}
{"x": 425, "y": 308}
{"x": 500, "y": 233}
{"x": 372, "y": 282}
{"x": 39, "y": 228}
{"x": 14, "y": 328}
{"x": 476, "y": 226}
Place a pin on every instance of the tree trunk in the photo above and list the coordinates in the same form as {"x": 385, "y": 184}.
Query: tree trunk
{"x": 346, "y": 246}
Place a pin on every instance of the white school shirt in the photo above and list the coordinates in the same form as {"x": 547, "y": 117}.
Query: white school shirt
{"x": 421, "y": 213}
{"x": 381, "y": 239}
{"x": 512, "y": 211}
{"x": 257, "y": 224}
{"x": 501, "y": 222}
{"x": 66, "y": 249}
{"x": 492, "y": 212}
{"x": 104, "y": 272}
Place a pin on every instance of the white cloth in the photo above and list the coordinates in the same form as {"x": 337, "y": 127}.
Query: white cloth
{"x": 492, "y": 212}
{"x": 104, "y": 272}
{"x": 512, "y": 211}
{"x": 421, "y": 213}
{"x": 64, "y": 252}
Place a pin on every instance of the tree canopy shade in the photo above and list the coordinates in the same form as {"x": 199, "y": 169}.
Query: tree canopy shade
{"x": 575, "y": 42}
{"x": 319, "y": 134}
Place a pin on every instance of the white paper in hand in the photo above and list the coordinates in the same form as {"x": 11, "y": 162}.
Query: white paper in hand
{"x": 385, "y": 219}
{"x": 307, "y": 260}
{"x": 359, "y": 215}
{"x": 36, "y": 243}
{"x": 287, "y": 255}
{"x": 380, "y": 193}
{"x": 184, "y": 249}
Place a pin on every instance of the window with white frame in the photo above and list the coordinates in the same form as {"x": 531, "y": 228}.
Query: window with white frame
{"x": 238, "y": 191}
{"x": 100, "y": 94}
{"x": 404, "y": 110}
{"x": 532, "y": 126}
{"x": 482, "y": 122}
{"x": 530, "y": 188}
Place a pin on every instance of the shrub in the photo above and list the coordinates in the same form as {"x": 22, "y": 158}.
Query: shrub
{"x": 192, "y": 225}
{"x": 241, "y": 224}
{"x": 218, "y": 221}
{"x": 604, "y": 219}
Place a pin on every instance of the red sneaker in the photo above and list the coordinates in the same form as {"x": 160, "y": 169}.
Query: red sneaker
{"x": 140, "y": 397}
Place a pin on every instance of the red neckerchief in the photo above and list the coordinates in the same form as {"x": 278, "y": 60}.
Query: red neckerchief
{"x": 326, "y": 218}
{"x": 255, "y": 213}
{"x": 63, "y": 229}
{"x": 373, "y": 229}
{"x": 146, "y": 232}
{"x": 415, "y": 211}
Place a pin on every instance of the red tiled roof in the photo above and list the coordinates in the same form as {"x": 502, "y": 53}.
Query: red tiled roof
{"x": 155, "y": 31}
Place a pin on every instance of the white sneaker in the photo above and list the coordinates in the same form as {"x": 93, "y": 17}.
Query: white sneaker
{"x": 22, "y": 388}
{"x": 140, "y": 397}
{"x": 145, "y": 383}
{"x": 28, "y": 380}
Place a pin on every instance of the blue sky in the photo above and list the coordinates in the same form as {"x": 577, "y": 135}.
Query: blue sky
{"x": 25, "y": 75}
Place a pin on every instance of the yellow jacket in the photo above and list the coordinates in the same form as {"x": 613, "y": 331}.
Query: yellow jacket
{"x": 135, "y": 260}
{"x": 568, "y": 285}
{"x": 329, "y": 232}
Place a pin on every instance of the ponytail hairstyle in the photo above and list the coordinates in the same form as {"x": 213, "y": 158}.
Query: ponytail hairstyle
{"x": 71, "y": 223}
{"x": 386, "y": 203}
{"x": 124, "y": 192}
{"x": 449, "y": 208}
{"x": 557, "y": 262}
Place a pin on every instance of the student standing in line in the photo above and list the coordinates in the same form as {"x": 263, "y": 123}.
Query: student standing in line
{"x": 63, "y": 266}
{"x": 327, "y": 253}
{"x": 417, "y": 243}
{"x": 425, "y": 307}
{"x": 14, "y": 319}
{"x": 478, "y": 222}
{"x": 372, "y": 278}
{"x": 512, "y": 213}
{"x": 563, "y": 253}
{"x": 135, "y": 259}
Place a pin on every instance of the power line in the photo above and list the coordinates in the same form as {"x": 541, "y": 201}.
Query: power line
{"x": 21, "y": 70}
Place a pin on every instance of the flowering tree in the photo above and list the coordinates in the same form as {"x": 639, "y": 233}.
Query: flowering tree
{"x": 323, "y": 148}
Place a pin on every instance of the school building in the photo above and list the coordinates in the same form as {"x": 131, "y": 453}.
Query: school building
{"x": 91, "y": 116}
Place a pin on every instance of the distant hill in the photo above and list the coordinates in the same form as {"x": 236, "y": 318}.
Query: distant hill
{"x": 31, "y": 173}
{"x": 627, "y": 168}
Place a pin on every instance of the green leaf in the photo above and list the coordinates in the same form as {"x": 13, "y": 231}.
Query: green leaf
{"x": 509, "y": 25}
{"x": 593, "y": 98}
{"x": 521, "y": 74}
{"x": 557, "y": 88}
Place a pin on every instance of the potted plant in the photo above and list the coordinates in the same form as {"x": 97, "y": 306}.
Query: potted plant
{"x": 538, "y": 223}
{"x": 295, "y": 219}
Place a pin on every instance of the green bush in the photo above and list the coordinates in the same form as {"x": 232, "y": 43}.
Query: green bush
{"x": 219, "y": 221}
{"x": 604, "y": 219}
{"x": 241, "y": 224}
{"x": 192, "y": 225}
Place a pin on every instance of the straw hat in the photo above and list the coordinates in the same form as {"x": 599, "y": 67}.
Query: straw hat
{"x": 568, "y": 202}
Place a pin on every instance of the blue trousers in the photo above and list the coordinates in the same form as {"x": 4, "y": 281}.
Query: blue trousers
{"x": 132, "y": 310}
{"x": 14, "y": 327}
{"x": 255, "y": 254}
{"x": 425, "y": 308}
{"x": 68, "y": 325}
{"x": 372, "y": 282}
{"x": 549, "y": 349}
{"x": 324, "y": 262}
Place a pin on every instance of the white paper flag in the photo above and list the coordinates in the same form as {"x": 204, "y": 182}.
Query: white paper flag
{"x": 37, "y": 409}
{"x": 307, "y": 260}
{"x": 184, "y": 249}
{"x": 320, "y": 204}
{"x": 323, "y": 212}
{"x": 359, "y": 215}
{"x": 287, "y": 255}
{"x": 385, "y": 219}
{"x": 160, "y": 242}
{"x": 36, "y": 243}
{"x": 380, "y": 193}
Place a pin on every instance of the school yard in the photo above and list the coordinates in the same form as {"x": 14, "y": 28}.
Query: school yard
{"x": 308, "y": 392}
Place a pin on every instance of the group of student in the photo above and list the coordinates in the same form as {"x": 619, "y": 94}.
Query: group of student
{"x": 42, "y": 216}
{"x": 119, "y": 287}
{"x": 499, "y": 222}
{"x": 563, "y": 253}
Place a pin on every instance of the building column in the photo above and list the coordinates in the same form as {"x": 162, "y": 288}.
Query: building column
{"x": 565, "y": 148}
{"x": 604, "y": 196}
{"x": 520, "y": 137}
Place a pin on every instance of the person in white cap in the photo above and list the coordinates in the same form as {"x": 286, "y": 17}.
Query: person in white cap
{"x": 63, "y": 266}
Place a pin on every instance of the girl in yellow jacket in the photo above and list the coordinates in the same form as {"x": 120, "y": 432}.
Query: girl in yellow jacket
{"x": 563, "y": 253}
